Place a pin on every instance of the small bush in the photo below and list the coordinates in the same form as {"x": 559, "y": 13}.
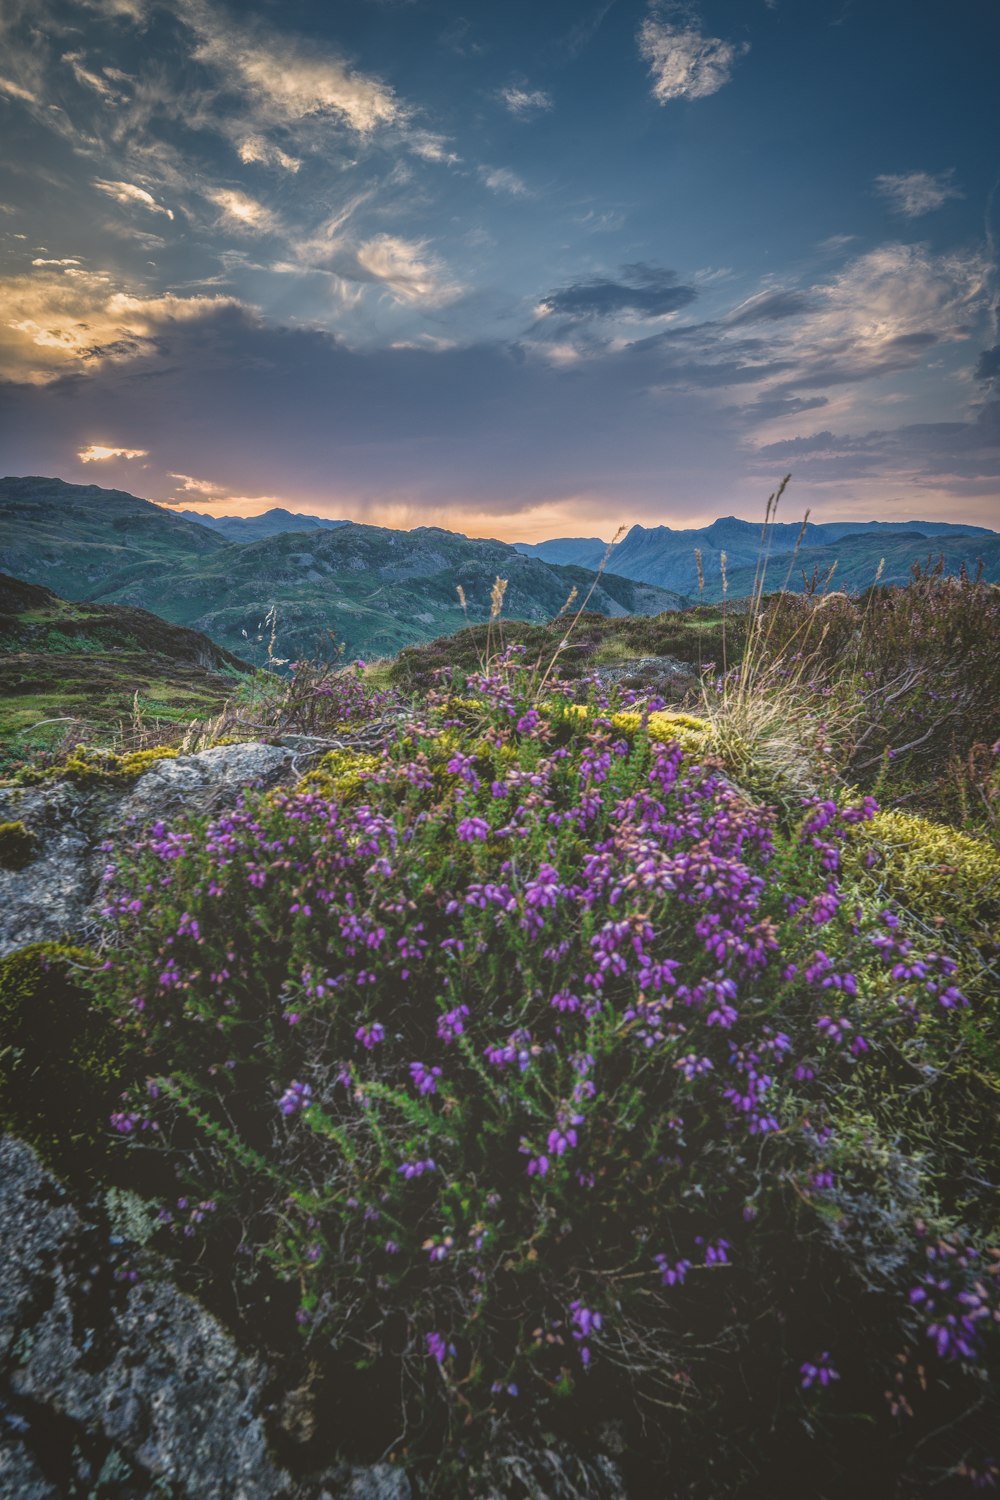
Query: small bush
{"x": 62, "y": 1061}
{"x": 559, "y": 1082}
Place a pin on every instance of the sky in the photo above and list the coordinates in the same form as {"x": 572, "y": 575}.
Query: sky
{"x": 522, "y": 269}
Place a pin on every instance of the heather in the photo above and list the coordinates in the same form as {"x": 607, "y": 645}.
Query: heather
{"x": 553, "y": 1077}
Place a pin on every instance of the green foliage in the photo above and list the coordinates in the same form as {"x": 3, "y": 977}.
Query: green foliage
{"x": 674, "y": 1087}
{"x": 62, "y": 1060}
{"x": 18, "y": 846}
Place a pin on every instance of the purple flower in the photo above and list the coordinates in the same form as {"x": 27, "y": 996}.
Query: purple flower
{"x": 370, "y": 1036}
{"x": 819, "y": 1373}
{"x": 472, "y": 829}
{"x": 424, "y": 1078}
{"x": 297, "y": 1096}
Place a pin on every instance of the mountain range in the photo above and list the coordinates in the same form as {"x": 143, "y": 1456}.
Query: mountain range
{"x": 665, "y": 556}
{"x": 377, "y": 590}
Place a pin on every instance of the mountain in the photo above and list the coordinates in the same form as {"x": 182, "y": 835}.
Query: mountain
{"x": 662, "y": 555}
{"x": 268, "y": 523}
{"x": 377, "y": 589}
{"x": 86, "y": 543}
{"x": 63, "y": 660}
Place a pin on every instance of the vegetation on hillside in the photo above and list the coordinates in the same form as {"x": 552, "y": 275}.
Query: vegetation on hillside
{"x": 89, "y": 668}
{"x": 558, "y": 1077}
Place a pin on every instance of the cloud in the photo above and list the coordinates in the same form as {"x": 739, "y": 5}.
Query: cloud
{"x": 914, "y": 193}
{"x": 255, "y": 148}
{"x": 523, "y": 103}
{"x": 18, "y": 91}
{"x": 769, "y": 307}
{"x": 199, "y": 486}
{"x": 988, "y": 366}
{"x": 503, "y": 180}
{"x": 921, "y": 452}
{"x": 644, "y": 290}
{"x": 406, "y": 270}
{"x": 96, "y": 453}
{"x": 91, "y": 80}
{"x": 127, "y": 193}
{"x": 61, "y": 319}
{"x": 239, "y": 211}
{"x": 683, "y": 63}
{"x": 285, "y": 80}
{"x": 431, "y": 147}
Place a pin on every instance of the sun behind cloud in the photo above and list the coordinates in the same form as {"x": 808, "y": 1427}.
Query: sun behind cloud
{"x": 98, "y": 453}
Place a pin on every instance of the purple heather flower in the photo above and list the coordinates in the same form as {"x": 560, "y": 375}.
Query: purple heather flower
{"x": 472, "y": 829}
{"x": 819, "y": 1373}
{"x": 297, "y": 1096}
{"x": 425, "y": 1079}
{"x": 370, "y": 1036}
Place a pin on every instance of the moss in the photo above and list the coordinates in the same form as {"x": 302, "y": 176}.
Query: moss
{"x": 17, "y": 846}
{"x": 62, "y": 1063}
{"x": 340, "y": 775}
{"x": 694, "y": 735}
{"x": 931, "y": 869}
{"x": 86, "y": 766}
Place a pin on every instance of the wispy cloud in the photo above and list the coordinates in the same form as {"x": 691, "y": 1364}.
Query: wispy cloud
{"x": 914, "y": 193}
{"x": 99, "y": 82}
{"x": 128, "y": 193}
{"x": 256, "y": 148}
{"x": 523, "y": 102}
{"x": 239, "y": 211}
{"x": 287, "y": 81}
{"x": 503, "y": 180}
{"x": 17, "y": 91}
{"x": 407, "y": 270}
{"x": 683, "y": 62}
{"x": 97, "y": 453}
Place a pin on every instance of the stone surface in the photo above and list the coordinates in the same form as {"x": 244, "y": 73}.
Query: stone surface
{"x": 54, "y": 896}
{"x": 133, "y": 1382}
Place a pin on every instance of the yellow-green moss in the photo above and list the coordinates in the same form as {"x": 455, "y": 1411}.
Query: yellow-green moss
{"x": 694, "y": 735}
{"x": 17, "y": 846}
{"x": 340, "y": 775}
{"x": 933, "y": 870}
{"x": 61, "y": 1060}
{"x": 85, "y": 766}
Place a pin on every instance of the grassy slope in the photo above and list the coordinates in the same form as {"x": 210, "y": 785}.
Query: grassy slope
{"x": 61, "y": 659}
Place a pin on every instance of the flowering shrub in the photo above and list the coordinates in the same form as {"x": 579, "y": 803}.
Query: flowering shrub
{"x": 536, "y": 1067}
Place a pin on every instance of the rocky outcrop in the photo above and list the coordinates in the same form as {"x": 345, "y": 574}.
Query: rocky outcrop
{"x": 126, "y": 1388}
{"x": 54, "y": 895}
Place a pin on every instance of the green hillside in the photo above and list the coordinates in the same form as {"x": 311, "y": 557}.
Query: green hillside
{"x": 375, "y": 589}
{"x": 64, "y": 661}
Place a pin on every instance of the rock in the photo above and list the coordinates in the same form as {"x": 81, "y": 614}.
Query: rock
{"x": 20, "y": 1476}
{"x": 54, "y": 896}
{"x": 130, "y": 1387}
{"x": 380, "y": 1482}
{"x": 145, "y": 1367}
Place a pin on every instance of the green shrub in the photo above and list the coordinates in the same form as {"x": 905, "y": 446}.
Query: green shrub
{"x": 560, "y": 1086}
{"x": 62, "y": 1061}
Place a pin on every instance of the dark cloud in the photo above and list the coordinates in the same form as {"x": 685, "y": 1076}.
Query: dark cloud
{"x": 766, "y": 408}
{"x": 988, "y": 367}
{"x": 647, "y": 290}
{"x": 965, "y": 449}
